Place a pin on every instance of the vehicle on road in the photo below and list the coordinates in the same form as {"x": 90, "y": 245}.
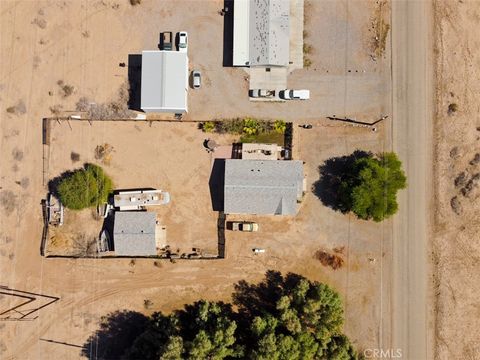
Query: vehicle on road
{"x": 196, "y": 79}
{"x": 288, "y": 94}
{"x": 247, "y": 226}
{"x": 258, "y": 250}
{"x": 166, "y": 40}
{"x": 182, "y": 41}
{"x": 306, "y": 126}
{"x": 261, "y": 93}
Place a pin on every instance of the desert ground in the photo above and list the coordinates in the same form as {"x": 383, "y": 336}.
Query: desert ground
{"x": 47, "y": 45}
{"x": 456, "y": 240}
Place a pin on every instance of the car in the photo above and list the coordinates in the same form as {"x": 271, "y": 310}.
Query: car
{"x": 182, "y": 41}
{"x": 258, "y": 250}
{"x": 288, "y": 94}
{"x": 247, "y": 226}
{"x": 257, "y": 93}
{"x": 166, "y": 41}
{"x": 196, "y": 79}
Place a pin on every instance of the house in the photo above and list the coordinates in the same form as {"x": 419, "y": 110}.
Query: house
{"x": 263, "y": 187}
{"x": 134, "y": 233}
{"x": 164, "y": 83}
{"x": 261, "y": 33}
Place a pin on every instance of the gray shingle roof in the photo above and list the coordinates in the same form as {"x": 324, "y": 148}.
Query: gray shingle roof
{"x": 266, "y": 187}
{"x": 134, "y": 233}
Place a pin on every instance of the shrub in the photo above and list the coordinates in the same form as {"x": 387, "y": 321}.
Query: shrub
{"x": 250, "y": 126}
{"x": 452, "y": 108}
{"x": 208, "y": 126}
{"x": 85, "y": 187}
{"x": 279, "y": 126}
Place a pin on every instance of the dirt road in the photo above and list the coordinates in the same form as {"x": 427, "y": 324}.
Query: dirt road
{"x": 412, "y": 140}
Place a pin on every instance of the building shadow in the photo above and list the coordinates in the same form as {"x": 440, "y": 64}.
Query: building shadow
{"x": 228, "y": 33}
{"x": 216, "y": 184}
{"x": 337, "y": 177}
{"x": 117, "y": 333}
{"x": 135, "y": 81}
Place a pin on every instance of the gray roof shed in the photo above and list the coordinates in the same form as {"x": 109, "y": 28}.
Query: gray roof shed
{"x": 134, "y": 233}
{"x": 266, "y": 187}
{"x": 164, "y": 81}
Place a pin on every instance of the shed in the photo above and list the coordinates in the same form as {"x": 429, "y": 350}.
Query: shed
{"x": 266, "y": 187}
{"x": 134, "y": 233}
{"x": 164, "y": 85}
{"x": 261, "y": 32}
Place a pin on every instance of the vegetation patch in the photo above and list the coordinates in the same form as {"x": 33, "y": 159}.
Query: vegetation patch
{"x": 283, "y": 317}
{"x": 83, "y": 188}
{"x": 251, "y": 130}
{"x": 362, "y": 183}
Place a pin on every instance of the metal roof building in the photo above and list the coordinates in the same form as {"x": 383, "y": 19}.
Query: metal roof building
{"x": 164, "y": 84}
{"x": 134, "y": 233}
{"x": 266, "y": 187}
{"x": 261, "y": 32}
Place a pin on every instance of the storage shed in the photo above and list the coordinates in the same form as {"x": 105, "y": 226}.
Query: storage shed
{"x": 164, "y": 84}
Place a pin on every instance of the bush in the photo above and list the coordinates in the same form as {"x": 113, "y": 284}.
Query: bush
{"x": 208, "y": 126}
{"x": 279, "y": 126}
{"x": 85, "y": 188}
{"x": 250, "y": 126}
{"x": 452, "y": 108}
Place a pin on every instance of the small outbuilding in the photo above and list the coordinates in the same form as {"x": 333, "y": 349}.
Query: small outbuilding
{"x": 263, "y": 187}
{"x": 164, "y": 84}
{"x": 134, "y": 233}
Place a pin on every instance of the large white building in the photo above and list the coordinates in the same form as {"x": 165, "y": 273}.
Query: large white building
{"x": 164, "y": 81}
{"x": 261, "y": 32}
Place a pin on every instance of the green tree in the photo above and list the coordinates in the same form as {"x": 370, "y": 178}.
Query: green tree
{"x": 378, "y": 180}
{"x": 85, "y": 187}
{"x": 281, "y": 318}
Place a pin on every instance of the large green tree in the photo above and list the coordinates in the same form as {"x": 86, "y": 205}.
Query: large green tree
{"x": 362, "y": 183}
{"x": 377, "y": 181}
{"x": 281, "y": 318}
{"x": 84, "y": 187}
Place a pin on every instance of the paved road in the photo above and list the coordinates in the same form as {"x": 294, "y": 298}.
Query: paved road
{"x": 412, "y": 127}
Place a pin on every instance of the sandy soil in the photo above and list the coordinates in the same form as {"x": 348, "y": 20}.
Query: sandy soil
{"x": 82, "y": 43}
{"x": 457, "y": 135}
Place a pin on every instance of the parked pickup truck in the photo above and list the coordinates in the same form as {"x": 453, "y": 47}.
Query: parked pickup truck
{"x": 242, "y": 226}
{"x": 258, "y": 93}
{"x": 166, "y": 40}
{"x": 288, "y": 94}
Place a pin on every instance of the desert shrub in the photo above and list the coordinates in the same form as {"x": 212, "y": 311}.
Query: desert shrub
{"x": 17, "y": 109}
{"x": 135, "y": 2}
{"x": 307, "y": 48}
{"x": 74, "y": 156}
{"x": 452, "y": 108}
{"x": 307, "y": 62}
{"x": 279, "y": 126}
{"x": 85, "y": 187}
{"x": 208, "y": 126}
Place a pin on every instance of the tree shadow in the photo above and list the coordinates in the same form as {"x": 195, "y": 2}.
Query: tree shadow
{"x": 333, "y": 173}
{"x": 117, "y": 333}
{"x": 55, "y": 182}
